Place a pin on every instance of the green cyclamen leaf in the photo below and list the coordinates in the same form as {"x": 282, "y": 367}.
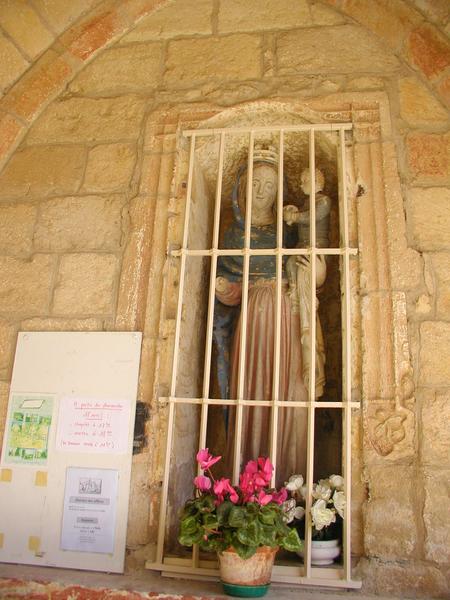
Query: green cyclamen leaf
{"x": 189, "y": 525}
{"x": 292, "y": 542}
{"x": 250, "y": 536}
{"x": 237, "y": 517}
{"x": 243, "y": 550}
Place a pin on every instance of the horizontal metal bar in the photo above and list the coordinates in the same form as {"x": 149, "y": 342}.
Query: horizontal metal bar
{"x": 264, "y": 252}
{"x": 281, "y": 403}
{"x": 274, "y": 129}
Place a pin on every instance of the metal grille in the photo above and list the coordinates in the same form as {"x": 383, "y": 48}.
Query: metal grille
{"x": 340, "y": 574}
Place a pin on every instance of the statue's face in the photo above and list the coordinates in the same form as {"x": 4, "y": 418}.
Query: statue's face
{"x": 265, "y": 185}
{"x": 306, "y": 182}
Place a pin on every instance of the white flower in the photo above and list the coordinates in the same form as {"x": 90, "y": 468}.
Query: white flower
{"x": 295, "y": 483}
{"x": 289, "y": 510}
{"x": 299, "y": 512}
{"x": 322, "y": 491}
{"x": 339, "y": 502}
{"x": 302, "y": 491}
{"x": 337, "y": 482}
{"x": 321, "y": 515}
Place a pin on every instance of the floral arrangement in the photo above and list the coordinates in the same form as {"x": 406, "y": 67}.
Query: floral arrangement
{"x": 243, "y": 517}
{"x": 327, "y": 509}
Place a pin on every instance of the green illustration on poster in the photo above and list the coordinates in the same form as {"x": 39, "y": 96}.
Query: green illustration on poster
{"x": 30, "y": 420}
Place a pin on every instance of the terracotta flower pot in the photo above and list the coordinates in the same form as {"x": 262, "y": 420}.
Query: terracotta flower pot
{"x": 246, "y": 577}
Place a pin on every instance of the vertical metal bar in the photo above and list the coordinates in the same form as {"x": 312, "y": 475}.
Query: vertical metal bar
{"x": 212, "y": 278}
{"x": 312, "y": 349}
{"x": 277, "y": 338}
{"x": 346, "y": 349}
{"x": 171, "y": 416}
{"x": 210, "y": 317}
{"x": 244, "y": 305}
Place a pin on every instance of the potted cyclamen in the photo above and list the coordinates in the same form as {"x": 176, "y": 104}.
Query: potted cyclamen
{"x": 244, "y": 524}
{"x": 327, "y": 513}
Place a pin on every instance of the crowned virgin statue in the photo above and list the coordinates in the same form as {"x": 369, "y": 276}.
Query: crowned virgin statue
{"x": 260, "y": 329}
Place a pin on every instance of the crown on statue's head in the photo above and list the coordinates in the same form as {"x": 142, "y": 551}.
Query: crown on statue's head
{"x": 265, "y": 153}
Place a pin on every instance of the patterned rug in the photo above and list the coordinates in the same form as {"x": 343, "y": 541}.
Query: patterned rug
{"x": 16, "y": 589}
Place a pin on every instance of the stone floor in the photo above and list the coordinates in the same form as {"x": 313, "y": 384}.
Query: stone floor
{"x": 18, "y": 582}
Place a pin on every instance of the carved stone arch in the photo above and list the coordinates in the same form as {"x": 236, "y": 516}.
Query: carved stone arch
{"x": 418, "y": 43}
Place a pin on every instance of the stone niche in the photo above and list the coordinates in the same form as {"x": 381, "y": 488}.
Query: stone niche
{"x": 383, "y": 428}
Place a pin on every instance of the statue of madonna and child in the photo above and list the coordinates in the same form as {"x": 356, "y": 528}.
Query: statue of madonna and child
{"x": 260, "y": 331}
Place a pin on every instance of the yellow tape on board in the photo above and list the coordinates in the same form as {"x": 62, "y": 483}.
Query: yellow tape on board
{"x": 2, "y": 537}
{"x": 41, "y": 478}
{"x": 34, "y": 543}
{"x": 6, "y": 475}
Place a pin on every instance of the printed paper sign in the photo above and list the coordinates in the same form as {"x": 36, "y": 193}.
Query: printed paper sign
{"x": 87, "y": 425}
{"x": 30, "y": 419}
{"x": 89, "y": 517}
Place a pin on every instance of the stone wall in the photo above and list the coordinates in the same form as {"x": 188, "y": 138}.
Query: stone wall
{"x": 87, "y": 209}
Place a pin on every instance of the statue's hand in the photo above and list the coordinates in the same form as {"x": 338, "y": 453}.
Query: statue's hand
{"x": 291, "y": 214}
{"x": 222, "y": 285}
{"x": 321, "y": 267}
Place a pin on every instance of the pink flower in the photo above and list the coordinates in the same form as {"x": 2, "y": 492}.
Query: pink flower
{"x": 264, "y": 498}
{"x": 260, "y": 471}
{"x": 206, "y": 459}
{"x": 280, "y": 497}
{"x": 202, "y": 483}
{"x": 265, "y": 468}
{"x": 222, "y": 487}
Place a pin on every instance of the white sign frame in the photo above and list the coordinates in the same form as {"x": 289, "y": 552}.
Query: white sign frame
{"x": 100, "y": 367}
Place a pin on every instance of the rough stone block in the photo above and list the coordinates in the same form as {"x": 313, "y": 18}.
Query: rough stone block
{"x": 125, "y": 69}
{"x": 38, "y": 85}
{"x": 429, "y": 157}
{"x": 138, "y": 517}
{"x": 436, "y": 10}
{"x": 325, "y": 50}
{"x": 434, "y": 359}
{"x": 408, "y": 578}
{"x": 435, "y": 515}
{"x": 428, "y": 213}
{"x": 109, "y": 168}
{"x": 16, "y": 229}
{"x": 85, "y": 284}
{"x": 390, "y": 20}
{"x": 89, "y": 120}
{"x": 435, "y": 435}
{"x": 444, "y": 90}
{"x": 257, "y": 15}
{"x": 219, "y": 58}
{"x": 429, "y": 50}
{"x": 22, "y": 23}
{"x": 26, "y": 285}
{"x": 8, "y": 333}
{"x": 366, "y": 83}
{"x": 79, "y": 224}
{"x": 10, "y": 129}
{"x": 50, "y": 324}
{"x": 61, "y": 14}
{"x": 43, "y": 170}
{"x": 325, "y": 15}
{"x": 12, "y": 64}
{"x": 178, "y": 18}
{"x": 418, "y": 106}
{"x": 441, "y": 266}
{"x": 390, "y": 531}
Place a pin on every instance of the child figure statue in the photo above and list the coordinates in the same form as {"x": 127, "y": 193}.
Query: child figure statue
{"x": 299, "y": 275}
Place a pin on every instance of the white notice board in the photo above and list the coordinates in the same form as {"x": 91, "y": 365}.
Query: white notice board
{"x": 66, "y": 459}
